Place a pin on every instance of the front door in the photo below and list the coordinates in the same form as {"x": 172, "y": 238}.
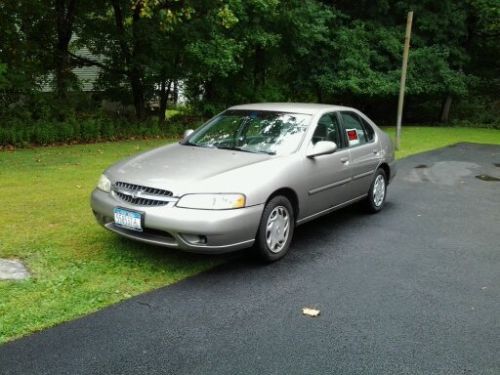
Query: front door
{"x": 327, "y": 176}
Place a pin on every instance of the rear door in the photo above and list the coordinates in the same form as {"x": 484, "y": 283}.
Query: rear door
{"x": 364, "y": 152}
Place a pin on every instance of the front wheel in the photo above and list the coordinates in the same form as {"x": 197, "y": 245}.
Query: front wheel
{"x": 377, "y": 193}
{"x": 276, "y": 229}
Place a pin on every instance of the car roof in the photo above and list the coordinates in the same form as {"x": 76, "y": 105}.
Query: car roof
{"x": 306, "y": 108}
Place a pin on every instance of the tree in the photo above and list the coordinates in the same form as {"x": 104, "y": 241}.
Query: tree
{"x": 131, "y": 35}
{"x": 483, "y": 24}
{"x": 65, "y": 12}
{"x": 232, "y": 51}
{"x": 438, "y": 57}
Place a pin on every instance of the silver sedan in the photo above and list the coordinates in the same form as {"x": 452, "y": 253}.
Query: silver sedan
{"x": 248, "y": 177}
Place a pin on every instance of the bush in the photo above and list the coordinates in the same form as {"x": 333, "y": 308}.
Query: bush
{"x": 477, "y": 110}
{"x": 20, "y": 132}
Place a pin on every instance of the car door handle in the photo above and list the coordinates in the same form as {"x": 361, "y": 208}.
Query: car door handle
{"x": 375, "y": 151}
{"x": 344, "y": 160}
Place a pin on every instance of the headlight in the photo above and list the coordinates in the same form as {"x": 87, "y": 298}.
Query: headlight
{"x": 104, "y": 184}
{"x": 212, "y": 201}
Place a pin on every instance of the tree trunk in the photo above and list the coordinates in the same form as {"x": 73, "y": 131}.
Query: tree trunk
{"x": 164, "y": 94}
{"x": 176, "y": 92}
{"x": 62, "y": 72}
{"x": 319, "y": 94}
{"x": 209, "y": 91}
{"x": 134, "y": 72}
{"x": 445, "y": 109}
{"x": 258, "y": 70}
{"x": 65, "y": 15}
{"x": 209, "y": 96}
{"x": 137, "y": 93}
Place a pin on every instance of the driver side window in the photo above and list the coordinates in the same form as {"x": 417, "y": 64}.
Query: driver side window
{"x": 328, "y": 129}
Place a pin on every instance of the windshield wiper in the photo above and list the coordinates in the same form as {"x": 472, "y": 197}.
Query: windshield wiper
{"x": 264, "y": 152}
{"x": 194, "y": 145}
{"x": 243, "y": 150}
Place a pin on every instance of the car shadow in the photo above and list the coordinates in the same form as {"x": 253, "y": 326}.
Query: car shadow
{"x": 309, "y": 239}
{"x": 308, "y": 243}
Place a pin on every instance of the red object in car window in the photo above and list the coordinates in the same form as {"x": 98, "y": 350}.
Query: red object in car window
{"x": 352, "y": 135}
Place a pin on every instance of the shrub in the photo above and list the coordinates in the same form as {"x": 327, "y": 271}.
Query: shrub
{"x": 21, "y": 132}
{"x": 90, "y": 130}
{"x": 477, "y": 111}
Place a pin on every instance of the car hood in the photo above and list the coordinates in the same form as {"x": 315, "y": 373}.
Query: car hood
{"x": 181, "y": 168}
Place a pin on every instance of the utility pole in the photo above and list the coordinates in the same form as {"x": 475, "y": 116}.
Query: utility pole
{"x": 406, "y": 50}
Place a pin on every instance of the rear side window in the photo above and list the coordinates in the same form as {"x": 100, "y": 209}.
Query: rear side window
{"x": 357, "y": 131}
{"x": 370, "y": 133}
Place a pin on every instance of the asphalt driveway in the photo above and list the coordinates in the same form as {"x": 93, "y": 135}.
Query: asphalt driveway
{"x": 414, "y": 289}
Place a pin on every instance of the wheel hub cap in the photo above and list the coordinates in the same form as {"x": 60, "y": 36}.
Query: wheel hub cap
{"x": 379, "y": 191}
{"x": 277, "y": 229}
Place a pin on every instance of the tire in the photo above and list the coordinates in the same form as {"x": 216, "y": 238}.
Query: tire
{"x": 376, "y": 197}
{"x": 271, "y": 248}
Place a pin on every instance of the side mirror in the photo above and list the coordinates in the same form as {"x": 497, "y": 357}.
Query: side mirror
{"x": 321, "y": 148}
{"x": 187, "y": 133}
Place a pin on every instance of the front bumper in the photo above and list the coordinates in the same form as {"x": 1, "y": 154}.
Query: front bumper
{"x": 174, "y": 227}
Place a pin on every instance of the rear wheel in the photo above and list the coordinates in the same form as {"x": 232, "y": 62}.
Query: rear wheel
{"x": 377, "y": 193}
{"x": 276, "y": 229}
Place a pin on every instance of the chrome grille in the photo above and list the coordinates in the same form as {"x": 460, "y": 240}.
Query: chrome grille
{"x": 142, "y": 195}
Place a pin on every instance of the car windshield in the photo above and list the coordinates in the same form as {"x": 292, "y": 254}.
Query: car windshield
{"x": 253, "y": 131}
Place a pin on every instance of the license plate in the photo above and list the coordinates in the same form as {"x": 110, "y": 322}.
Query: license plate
{"x": 128, "y": 219}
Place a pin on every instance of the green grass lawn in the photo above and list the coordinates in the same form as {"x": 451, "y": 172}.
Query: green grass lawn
{"x": 420, "y": 139}
{"x": 46, "y": 221}
{"x": 78, "y": 267}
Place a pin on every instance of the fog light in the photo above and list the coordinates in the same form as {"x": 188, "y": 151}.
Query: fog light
{"x": 195, "y": 239}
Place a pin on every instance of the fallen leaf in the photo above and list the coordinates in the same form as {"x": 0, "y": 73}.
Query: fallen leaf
{"x": 310, "y": 312}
